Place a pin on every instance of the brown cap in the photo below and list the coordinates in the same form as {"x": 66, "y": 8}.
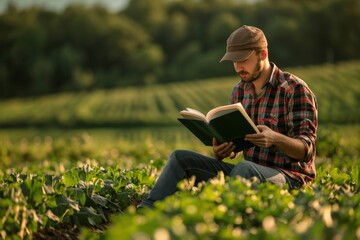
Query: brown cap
{"x": 242, "y": 42}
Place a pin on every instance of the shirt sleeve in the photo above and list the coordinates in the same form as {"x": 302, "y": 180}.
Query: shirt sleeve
{"x": 303, "y": 119}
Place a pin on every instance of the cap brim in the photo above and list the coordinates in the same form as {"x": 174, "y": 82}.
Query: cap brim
{"x": 237, "y": 56}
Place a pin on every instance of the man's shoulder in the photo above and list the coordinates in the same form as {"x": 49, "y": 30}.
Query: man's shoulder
{"x": 289, "y": 80}
{"x": 292, "y": 84}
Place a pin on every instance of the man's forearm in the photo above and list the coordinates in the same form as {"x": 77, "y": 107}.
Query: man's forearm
{"x": 292, "y": 147}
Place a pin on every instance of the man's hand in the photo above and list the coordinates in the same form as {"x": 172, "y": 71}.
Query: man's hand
{"x": 223, "y": 150}
{"x": 266, "y": 137}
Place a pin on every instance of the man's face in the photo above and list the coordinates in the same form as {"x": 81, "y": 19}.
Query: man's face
{"x": 250, "y": 69}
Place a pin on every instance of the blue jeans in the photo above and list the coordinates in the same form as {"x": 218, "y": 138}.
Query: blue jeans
{"x": 184, "y": 164}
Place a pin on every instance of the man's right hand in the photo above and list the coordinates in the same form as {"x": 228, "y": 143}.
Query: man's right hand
{"x": 223, "y": 150}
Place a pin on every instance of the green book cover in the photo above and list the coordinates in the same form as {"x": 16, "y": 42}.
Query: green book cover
{"x": 228, "y": 123}
{"x": 233, "y": 127}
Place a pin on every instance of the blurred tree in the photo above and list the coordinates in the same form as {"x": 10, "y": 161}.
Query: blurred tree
{"x": 82, "y": 79}
{"x": 281, "y": 22}
{"x": 344, "y": 31}
{"x": 121, "y": 41}
{"x": 23, "y": 41}
{"x": 107, "y": 42}
{"x": 315, "y": 28}
{"x": 162, "y": 41}
{"x": 4, "y": 82}
{"x": 220, "y": 27}
{"x": 148, "y": 13}
{"x": 41, "y": 73}
{"x": 147, "y": 63}
{"x": 181, "y": 67}
{"x": 172, "y": 34}
{"x": 66, "y": 59}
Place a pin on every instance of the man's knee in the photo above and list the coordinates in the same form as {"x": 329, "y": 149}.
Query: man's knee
{"x": 180, "y": 157}
{"x": 247, "y": 169}
{"x": 244, "y": 169}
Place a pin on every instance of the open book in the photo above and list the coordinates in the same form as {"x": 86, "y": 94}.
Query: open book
{"x": 229, "y": 123}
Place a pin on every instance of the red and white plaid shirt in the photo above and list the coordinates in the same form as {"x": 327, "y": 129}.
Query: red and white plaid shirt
{"x": 287, "y": 106}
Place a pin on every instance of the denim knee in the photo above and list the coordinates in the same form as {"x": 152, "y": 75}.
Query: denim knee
{"x": 247, "y": 169}
{"x": 243, "y": 169}
{"x": 177, "y": 156}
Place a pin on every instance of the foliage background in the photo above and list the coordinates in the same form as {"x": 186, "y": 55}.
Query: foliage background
{"x": 161, "y": 41}
{"x": 86, "y": 123}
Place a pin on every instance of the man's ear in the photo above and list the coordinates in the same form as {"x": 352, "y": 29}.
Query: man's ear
{"x": 263, "y": 54}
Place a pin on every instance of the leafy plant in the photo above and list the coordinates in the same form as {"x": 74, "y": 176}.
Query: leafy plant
{"x": 234, "y": 208}
{"x": 82, "y": 195}
{"x": 75, "y": 193}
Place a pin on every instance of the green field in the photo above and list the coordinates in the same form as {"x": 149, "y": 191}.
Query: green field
{"x": 73, "y": 166}
{"x": 337, "y": 88}
{"x": 73, "y": 183}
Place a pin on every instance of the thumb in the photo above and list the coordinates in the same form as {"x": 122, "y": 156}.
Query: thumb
{"x": 261, "y": 127}
{"x": 232, "y": 155}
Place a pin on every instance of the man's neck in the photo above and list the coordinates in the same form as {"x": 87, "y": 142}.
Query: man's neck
{"x": 264, "y": 77}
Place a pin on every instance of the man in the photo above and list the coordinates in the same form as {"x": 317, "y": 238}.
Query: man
{"x": 284, "y": 110}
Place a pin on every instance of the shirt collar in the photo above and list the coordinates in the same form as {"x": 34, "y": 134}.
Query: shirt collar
{"x": 272, "y": 80}
{"x": 274, "y": 72}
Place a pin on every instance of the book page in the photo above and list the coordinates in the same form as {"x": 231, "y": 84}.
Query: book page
{"x": 190, "y": 113}
{"x": 223, "y": 110}
{"x": 217, "y": 114}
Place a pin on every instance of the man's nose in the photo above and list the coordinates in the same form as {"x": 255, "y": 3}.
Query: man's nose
{"x": 238, "y": 66}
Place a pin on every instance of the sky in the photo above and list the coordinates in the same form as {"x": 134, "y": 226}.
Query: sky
{"x": 58, "y": 5}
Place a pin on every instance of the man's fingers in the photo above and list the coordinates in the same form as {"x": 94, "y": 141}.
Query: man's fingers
{"x": 223, "y": 150}
{"x": 252, "y": 137}
{"x": 232, "y": 155}
{"x": 228, "y": 150}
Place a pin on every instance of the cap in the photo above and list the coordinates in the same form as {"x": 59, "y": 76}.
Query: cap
{"x": 242, "y": 42}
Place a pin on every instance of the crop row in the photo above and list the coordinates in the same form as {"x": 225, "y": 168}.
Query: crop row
{"x": 337, "y": 88}
{"x": 20, "y": 147}
{"x": 237, "y": 208}
{"x": 65, "y": 181}
{"x": 89, "y": 197}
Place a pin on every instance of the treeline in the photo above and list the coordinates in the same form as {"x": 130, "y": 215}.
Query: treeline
{"x": 159, "y": 41}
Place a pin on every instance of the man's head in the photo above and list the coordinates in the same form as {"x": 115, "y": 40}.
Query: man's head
{"x": 243, "y": 42}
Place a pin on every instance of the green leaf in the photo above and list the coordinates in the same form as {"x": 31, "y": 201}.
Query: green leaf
{"x": 65, "y": 202}
{"x": 70, "y": 178}
{"x": 32, "y": 189}
{"x": 88, "y": 216}
{"x": 122, "y": 198}
{"x": 78, "y": 194}
{"x": 355, "y": 174}
{"x": 339, "y": 177}
{"x": 99, "y": 200}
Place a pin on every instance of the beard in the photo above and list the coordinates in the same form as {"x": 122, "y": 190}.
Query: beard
{"x": 256, "y": 73}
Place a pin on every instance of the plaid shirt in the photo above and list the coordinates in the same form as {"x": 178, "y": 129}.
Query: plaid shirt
{"x": 287, "y": 106}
